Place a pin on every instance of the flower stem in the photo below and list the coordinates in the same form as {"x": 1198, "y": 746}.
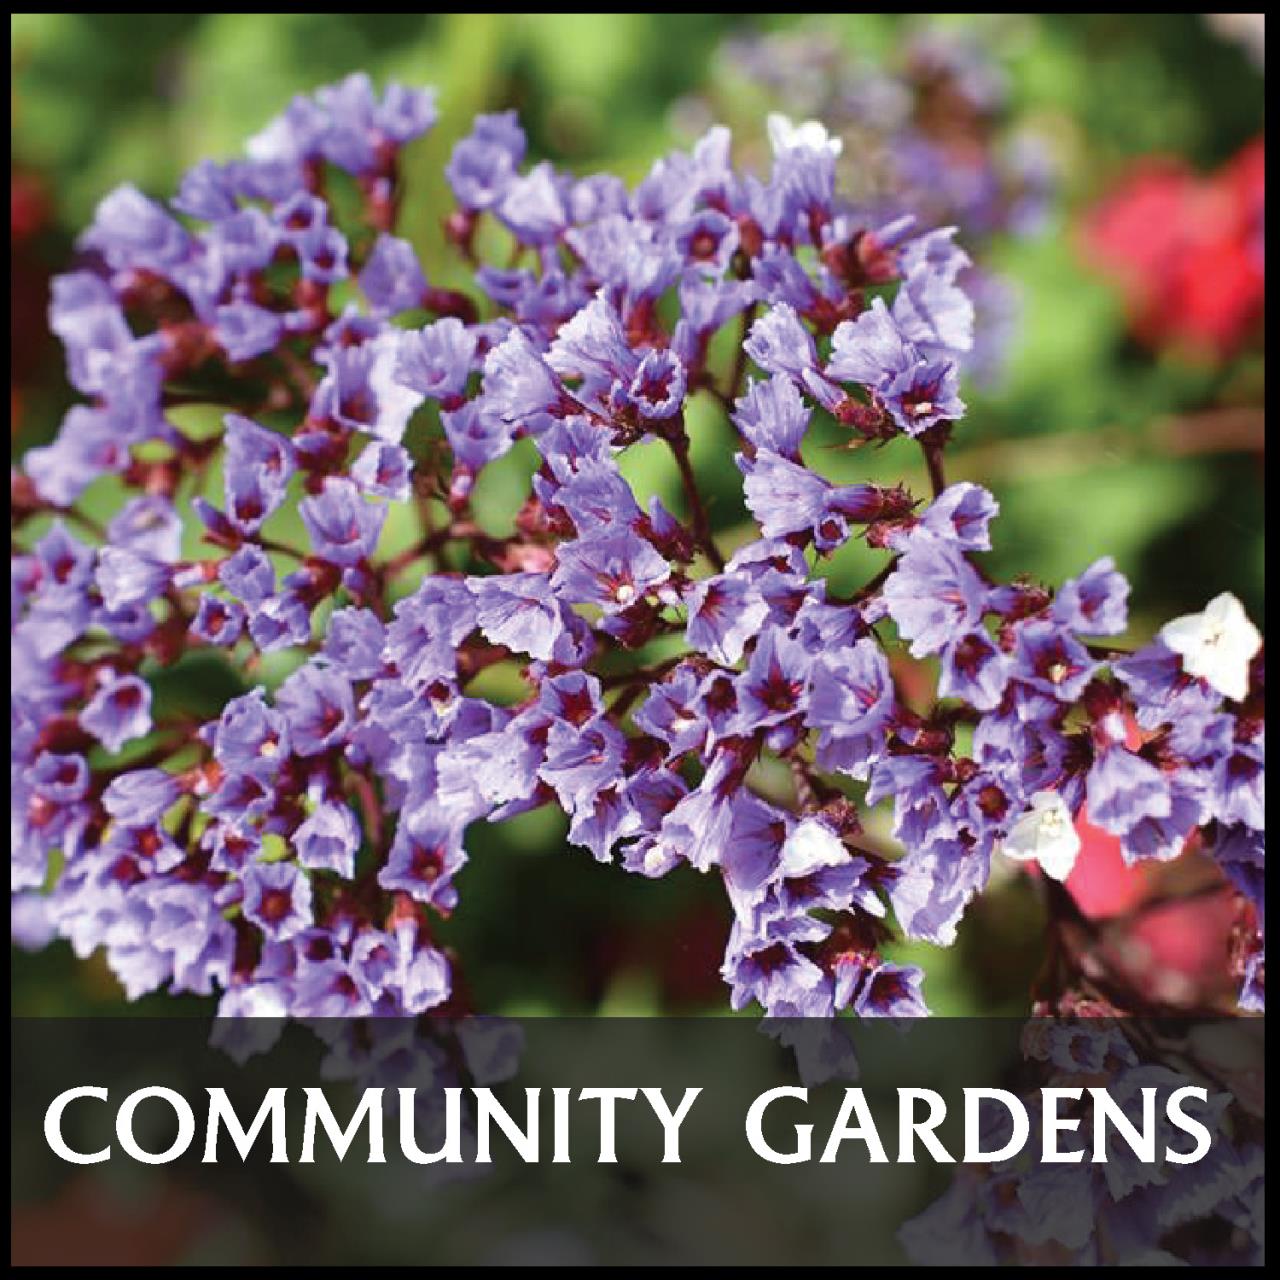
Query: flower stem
{"x": 697, "y": 511}
{"x": 932, "y": 450}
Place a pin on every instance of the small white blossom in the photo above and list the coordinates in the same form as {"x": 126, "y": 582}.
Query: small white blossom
{"x": 810, "y": 847}
{"x": 1046, "y": 834}
{"x": 654, "y": 861}
{"x": 811, "y": 135}
{"x": 1216, "y": 645}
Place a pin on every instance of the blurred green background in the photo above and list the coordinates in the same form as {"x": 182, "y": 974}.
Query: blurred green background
{"x": 1093, "y": 443}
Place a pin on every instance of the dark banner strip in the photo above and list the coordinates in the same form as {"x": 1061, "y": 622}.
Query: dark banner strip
{"x": 692, "y": 1141}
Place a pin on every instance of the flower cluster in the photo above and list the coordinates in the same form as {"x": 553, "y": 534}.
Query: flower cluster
{"x": 1126, "y": 1210}
{"x": 292, "y": 851}
{"x": 931, "y": 134}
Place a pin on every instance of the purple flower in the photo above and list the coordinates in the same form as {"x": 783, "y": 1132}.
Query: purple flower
{"x": 344, "y": 528}
{"x": 772, "y": 416}
{"x": 476, "y": 437}
{"x": 31, "y": 926}
{"x": 533, "y": 206}
{"x": 347, "y": 124}
{"x": 775, "y": 685}
{"x": 404, "y": 113}
{"x": 852, "y": 702}
{"x": 1252, "y": 996}
{"x": 231, "y": 847}
{"x": 485, "y": 163}
{"x": 1161, "y": 690}
{"x": 962, "y": 514}
{"x": 131, "y": 231}
{"x": 150, "y": 527}
{"x": 141, "y": 796}
{"x": 119, "y": 712}
{"x": 277, "y": 898}
{"x": 932, "y": 887}
{"x": 874, "y": 352}
{"x": 248, "y": 575}
{"x": 1239, "y": 785}
{"x": 724, "y": 613}
{"x": 891, "y": 991}
{"x": 280, "y": 622}
{"x": 518, "y": 385}
{"x": 974, "y": 670}
{"x": 787, "y": 498}
{"x": 1123, "y": 789}
{"x": 768, "y": 968}
{"x": 816, "y": 871}
{"x": 64, "y": 561}
{"x": 126, "y": 578}
{"x": 384, "y": 470}
{"x": 1095, "y": 603}
{"x": 425, "y": 857}
{"x": 251, "y": 738}
{"x": 922, "y": 813}
{"x": 671, "y": 713}
{"x": 327, "y": 989}
{"x": 612, "y": 570}
{"x": 558, "y": 643}
{"x": 86, "y": 317}
{"x": 1051, "y": 661}
{"x": 932, "y": 310}
{"x": 922, "y": 396}
{"x": 58, "y": 777}
{"x": 781, "y": 345}
{"x": 328, "y": 840}
{"x": 300, "y": 215}
{"x": 353, "y": 643}
{"x": 391, "y": 279}
{"x": 596, "y": 498}
{"x": 420, "y": 975}
{"x": 751, "y": 861}
{"x": 219, "y": 622}
{"x": 318, "y": 708}
{"x": 698, "y": 828}
{"x": 708, "y": 242}
{"x": 422, "y": 641}
{"x": 520, "y": 611}
{"x": 657, "y": 387}
{"x": 1165, "y": 836}
{"x": 582, "y": 761}
{"x": 258, "y": 466}
{"x": 244, "y": 331}
{"x": 243, "y": 241}
{"x": 870, "y": 350}
{"x": 362, "y": 390}
{"x": 592, "y": 348}
{"x": 437, "y": 361}
{"x": 934, "y": 595}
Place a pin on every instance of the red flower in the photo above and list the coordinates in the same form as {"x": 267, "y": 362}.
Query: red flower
{"x": 1187, "y": 251}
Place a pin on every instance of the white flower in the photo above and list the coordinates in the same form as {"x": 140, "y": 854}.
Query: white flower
{"x": 1216, "y": 645}
{"x": 654, "y": 861}
{"x": 809, "y": 848}
{"x": 810, "y": 135}
{"x": 1045, "y": 834}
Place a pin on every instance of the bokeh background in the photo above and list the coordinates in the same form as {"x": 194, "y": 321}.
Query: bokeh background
{"x": 1107, "y": 173}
